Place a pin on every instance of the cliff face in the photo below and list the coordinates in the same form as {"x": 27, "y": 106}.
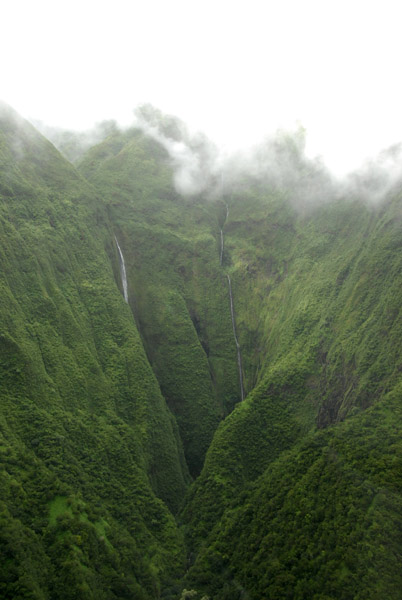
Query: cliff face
{"x": 301, "y": 478}
{"x": 109, "y": 407}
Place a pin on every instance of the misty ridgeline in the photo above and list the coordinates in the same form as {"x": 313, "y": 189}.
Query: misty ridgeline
{"x": 279, "y": 161}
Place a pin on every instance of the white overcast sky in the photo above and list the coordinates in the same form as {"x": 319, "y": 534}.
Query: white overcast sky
{"x": 235, "y": 69}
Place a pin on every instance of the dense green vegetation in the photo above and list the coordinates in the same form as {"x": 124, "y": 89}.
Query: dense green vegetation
{"x": 324, "y": 521}
{"x": 129, "y": 468}
{"x": 91, "y": 458}
{"x": 322, "y": 308}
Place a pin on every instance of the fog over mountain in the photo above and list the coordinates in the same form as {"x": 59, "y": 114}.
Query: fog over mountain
{"x": 200, "y": 300}
{"x": 236, "y": 71}
{"x": 280, "y": 160}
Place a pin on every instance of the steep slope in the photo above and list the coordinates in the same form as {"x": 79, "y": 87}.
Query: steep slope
{"x": 323, "y": 521}
{"x": 327, "y": 329}
{"x": 90, "y": 452}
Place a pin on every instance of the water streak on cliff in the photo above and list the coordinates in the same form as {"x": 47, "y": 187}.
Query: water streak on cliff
{"x": 239, "y": 360}
{"x": 221, "y": 254}
{"x": 122, "y": 271}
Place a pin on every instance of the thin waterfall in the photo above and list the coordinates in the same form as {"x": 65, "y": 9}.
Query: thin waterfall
{"x": 232, "y": 312}
{"x": 221, "y": 254}
{"x": 222, "y": 239}
{"x": 122, "y": 271}
{"x": 239, "y": 361}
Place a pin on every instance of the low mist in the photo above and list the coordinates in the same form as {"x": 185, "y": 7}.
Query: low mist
{"x": 279, "y": 162}
{"x": 195, "y": 159}
{"x": 74, "y": 144}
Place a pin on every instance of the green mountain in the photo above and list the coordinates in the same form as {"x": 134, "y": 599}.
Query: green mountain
{"x": 131, "y": 467}
{"x": 91, "y": 457}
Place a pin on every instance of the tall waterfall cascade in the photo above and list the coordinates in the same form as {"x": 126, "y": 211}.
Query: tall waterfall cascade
{"x": 221, "y": 253}
{"x": 222, "y": 247}
{"x": 239, "y": 360}
{"x": 232, "y": 312}
{"x": 122, "y": 271}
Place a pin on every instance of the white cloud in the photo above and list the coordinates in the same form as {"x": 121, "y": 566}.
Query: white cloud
{"x": 237, "y": 70}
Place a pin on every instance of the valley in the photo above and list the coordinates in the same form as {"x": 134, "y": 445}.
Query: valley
{"x": 200, "y": 393}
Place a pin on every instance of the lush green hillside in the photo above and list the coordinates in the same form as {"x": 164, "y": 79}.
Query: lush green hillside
{"x": 108, "y": 407}
{"x": 90, "y": 452}
{"x": 323, "y": 521}
{"x": 327, "y": 330}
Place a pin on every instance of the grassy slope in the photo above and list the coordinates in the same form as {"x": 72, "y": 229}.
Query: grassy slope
{"x": 318, "y": 296}
{"x": 82, "y": 417}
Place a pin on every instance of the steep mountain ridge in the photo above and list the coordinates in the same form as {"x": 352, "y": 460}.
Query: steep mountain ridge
{"x": 88, "y": 443}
